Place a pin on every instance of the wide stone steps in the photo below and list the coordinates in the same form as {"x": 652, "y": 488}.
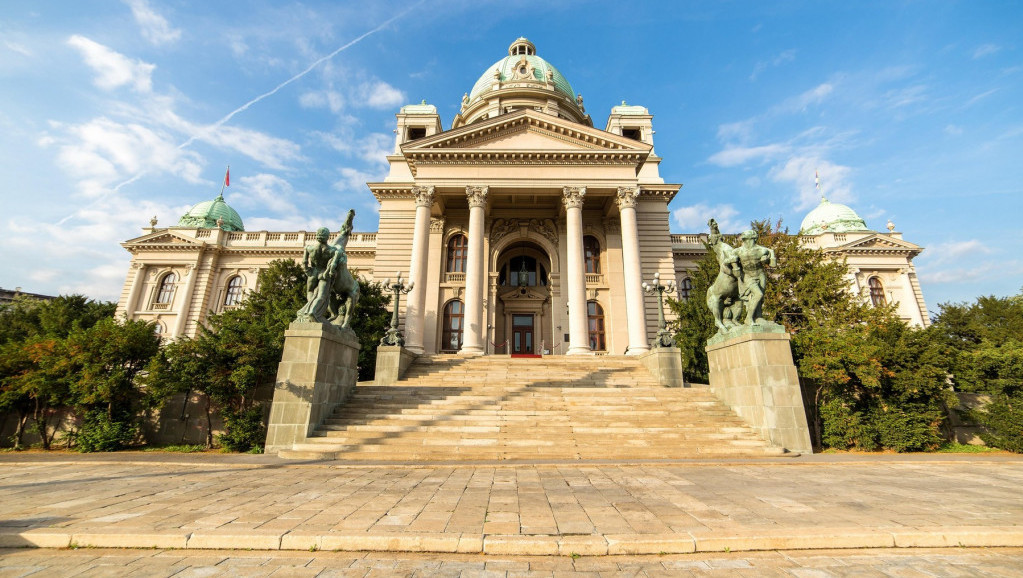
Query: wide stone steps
{"x": 556, "y": 408}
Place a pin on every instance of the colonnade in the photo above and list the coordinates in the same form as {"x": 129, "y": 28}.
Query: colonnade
{"x": 474, "y": 334}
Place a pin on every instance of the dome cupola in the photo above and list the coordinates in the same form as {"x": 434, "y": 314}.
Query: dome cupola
{"x": 830, "y": 217}
{"x": 521, "y": 80}
{"x": 215, "y": 214}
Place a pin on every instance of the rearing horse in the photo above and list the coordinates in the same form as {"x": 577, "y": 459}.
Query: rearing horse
{"x": 345, "y": 290}
{"x": 723, "y": 295}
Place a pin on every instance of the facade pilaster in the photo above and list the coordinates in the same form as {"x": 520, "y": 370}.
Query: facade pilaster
{"x": 626, "y": 199}
{"x": 415, "y": 311}
{"x": 579, "y": 335}
{"x": 472, "y": 339}
{"x": 131, "y": 304}
{"x": 192, "y": 271}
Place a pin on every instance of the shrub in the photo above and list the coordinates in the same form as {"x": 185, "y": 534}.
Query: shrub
{"x": 243, "y": 429}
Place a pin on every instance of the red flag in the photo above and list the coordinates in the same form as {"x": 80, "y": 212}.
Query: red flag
{"x": 227, "y": 177}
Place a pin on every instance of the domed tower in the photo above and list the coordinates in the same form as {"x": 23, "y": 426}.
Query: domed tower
{"x": 215, "y": 214}
{"x": 521, "y": 80}
{"x": 829, "y": 217}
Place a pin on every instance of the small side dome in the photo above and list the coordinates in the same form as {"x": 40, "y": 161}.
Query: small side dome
{"x": 830, "y": 217}
{"x": 212, "y": 215}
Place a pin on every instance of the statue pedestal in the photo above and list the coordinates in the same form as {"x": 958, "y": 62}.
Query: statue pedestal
{"x": 318, "y": 372}
{"x": 752, "y": 372}
{"x": 392, "y": 363}
{"x": 665, "y": 363}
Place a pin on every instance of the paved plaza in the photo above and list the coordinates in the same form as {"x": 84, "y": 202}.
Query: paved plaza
{"x": 565, "y": 509}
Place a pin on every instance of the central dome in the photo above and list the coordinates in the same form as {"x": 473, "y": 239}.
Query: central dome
{"x": 522, "y": 64}
{"x": 215, "y": 214}
{"x": 832, "y": 218}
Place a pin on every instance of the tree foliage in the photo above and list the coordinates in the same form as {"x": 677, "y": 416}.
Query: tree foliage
{"x": 875, "y": 382}
{"x": 984, "y": 349}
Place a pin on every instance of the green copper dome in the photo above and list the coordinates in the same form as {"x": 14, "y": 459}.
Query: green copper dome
{"x": 521, "y": 64}
{"x": 830, "y": 217}
{"x": 206, "y": 214}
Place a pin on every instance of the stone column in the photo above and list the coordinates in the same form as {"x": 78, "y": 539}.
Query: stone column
{"x": 131, "y": 305}
{"x": 186, "y": 298}
{"x": 415, "y": 313}
{"x": 578, "y": 332}
{"x": 472, "y": 338}
{"x": 633, "y": 272}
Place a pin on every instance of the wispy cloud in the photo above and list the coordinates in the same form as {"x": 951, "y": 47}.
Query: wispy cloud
{"x": 738, "y": 155}
{"x": 985, "y": 50}
{"x": 695, "y": 217}
{"x": 956, "y": 251}
{"x": 15, "y": 47}
{"x": 153, "y": 26}
{"x": 797, "y": 171}
{"x": 112, "y": 68}
{"x": 783, "y": 57}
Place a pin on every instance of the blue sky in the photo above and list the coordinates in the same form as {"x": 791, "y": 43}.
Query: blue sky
{"x": 112, "y": 112}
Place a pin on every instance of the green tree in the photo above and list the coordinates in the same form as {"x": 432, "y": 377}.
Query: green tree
{"x": 33, "y": 354}
{"x": 873, "y": 381}
{"x": 985, "y": 351}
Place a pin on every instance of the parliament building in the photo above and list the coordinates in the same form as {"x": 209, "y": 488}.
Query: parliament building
{"x": 526, "y": 229}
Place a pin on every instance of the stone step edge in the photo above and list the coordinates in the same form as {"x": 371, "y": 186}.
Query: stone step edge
{"x": 805, "y": 538}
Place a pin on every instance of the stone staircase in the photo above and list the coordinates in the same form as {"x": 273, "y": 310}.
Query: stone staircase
{"x": 449, "y": 408}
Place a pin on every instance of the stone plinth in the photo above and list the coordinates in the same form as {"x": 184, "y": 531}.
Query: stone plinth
{"x": 665, "y": 363}
{"x": 392, "y": 363}
{"x": 753, "y": 374}
{"x": 318, "y": 372}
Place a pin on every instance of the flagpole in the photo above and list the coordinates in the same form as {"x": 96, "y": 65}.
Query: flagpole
{"x": 227, "y": 178}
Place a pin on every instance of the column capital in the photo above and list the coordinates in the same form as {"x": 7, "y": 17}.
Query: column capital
{"x": 424, "y": 195}
{"x": 573, "y": 197}
{"x": 626, "y": 197}
{"x": 437, "y": 224}
{"x": 477, "y": 196}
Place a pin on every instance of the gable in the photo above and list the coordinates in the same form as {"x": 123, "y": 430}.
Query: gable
{"x": 877, "y": 243}
{"x": 525, "y": 130}
{"x": 162, "y": 238}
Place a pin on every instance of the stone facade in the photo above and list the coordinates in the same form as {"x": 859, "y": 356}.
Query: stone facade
{"x": 525, "y": 228}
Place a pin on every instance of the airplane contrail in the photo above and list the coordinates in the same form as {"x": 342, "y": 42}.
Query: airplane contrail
{"x": 226, "y": 118}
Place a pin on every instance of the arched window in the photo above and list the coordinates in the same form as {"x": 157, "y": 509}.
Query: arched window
{"x": 876, "y": 292}
{"x": 166, "y": 291}
{"x": 685, "y": 288}
{"x": 591, "y": 248}
{"x": 451, "y": 339}
{"x": 458, "y": 248}
{"x": 595, "y": 318}
{"x": 234, "y": 291}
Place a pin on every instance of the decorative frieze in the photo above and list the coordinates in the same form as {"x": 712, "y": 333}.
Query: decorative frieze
{"x": 546, "y": 228}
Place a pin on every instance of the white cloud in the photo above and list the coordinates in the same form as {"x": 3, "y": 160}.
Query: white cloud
{"x": 953, "y": 130}
{"x": 985, "y": 50}
{"x": 15, "y": 47}
{"x": 323, "y": 99}
{"x": 980, "y": 97}
{"x": 733, "y": 156}
{"x": 268, "y": 150}
{"x": 905, "y": 96}
{"x": 113, "y": 68}
{"x": 814, "y": 96}
{"x": 267, "y": 191}
{"x": 783, "y": 57}
{"x": 379, "y": 94}
{"x": 799, "y": 170}
{"x": 694, "y": 217}
{"x": 354, "y": 181}
{"x": 153, "y": 26}
{"x": 956, "y": 251}
{"x": 102, "y": 150}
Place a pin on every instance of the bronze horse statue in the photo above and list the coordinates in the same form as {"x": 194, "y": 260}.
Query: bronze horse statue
{"x": 344, "y": 294}
{"x": 723, "y": 295}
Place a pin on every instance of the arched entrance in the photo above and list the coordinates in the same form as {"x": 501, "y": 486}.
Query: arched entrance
{"x": 522, "y": 324}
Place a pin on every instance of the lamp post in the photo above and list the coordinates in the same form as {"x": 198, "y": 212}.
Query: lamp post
{"x": 664, "y": 337}
{"x": 393, "y": 335}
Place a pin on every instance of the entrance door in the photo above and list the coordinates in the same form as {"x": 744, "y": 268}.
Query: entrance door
{"x": 522, "y": 335}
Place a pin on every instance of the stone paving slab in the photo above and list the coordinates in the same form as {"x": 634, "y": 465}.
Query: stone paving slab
{"x": 583, "y": 509}
{"x": 798, "y": 563}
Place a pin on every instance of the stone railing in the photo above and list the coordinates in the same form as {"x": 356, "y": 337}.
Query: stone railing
{"x": 160, "y": 306}
{"x": 454, "y": 277}
{"x": 688, "y": 239}
{"x": 594, "y": 279}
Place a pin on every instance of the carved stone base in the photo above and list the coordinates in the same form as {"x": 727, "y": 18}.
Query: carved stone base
{"x": 392, "y": 363}
{"x": 318, "y": 372}
{"x": 753, "y": 374}
{"x": 665, "y": 363}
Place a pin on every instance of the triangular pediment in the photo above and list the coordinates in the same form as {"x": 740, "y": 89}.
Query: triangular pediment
{"x": 522, "y": 294}
{"x": 162, "y": 237}
{"x": 525, "y": 130}
{"x": 878, "y": 242}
